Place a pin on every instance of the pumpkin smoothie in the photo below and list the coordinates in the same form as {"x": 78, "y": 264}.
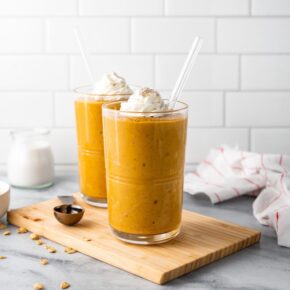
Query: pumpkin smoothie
{"x": 88, "y": 109}
{"x": 145, "y": 161}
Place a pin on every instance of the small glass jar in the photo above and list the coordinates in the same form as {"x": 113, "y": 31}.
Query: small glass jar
{"x": 30, "y": 160}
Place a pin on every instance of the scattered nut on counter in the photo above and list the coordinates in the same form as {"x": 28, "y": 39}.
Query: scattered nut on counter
{"x": 39, "y": 242}
{"x": 70, "y": 250}
{"x": 34, "y": 237}
{"x": 64, "y": 285}
{"x": 50, "y": 249}
{"x": 22, "y": 230}
{"x": 38, "y": 286}
{"x": 87, "y": 239}
{"x": 43, "y": 261}
{"x": 7, "y": 233}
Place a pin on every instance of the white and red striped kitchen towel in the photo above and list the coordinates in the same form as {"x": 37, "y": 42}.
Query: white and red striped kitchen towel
{"x": 227, "y": 173}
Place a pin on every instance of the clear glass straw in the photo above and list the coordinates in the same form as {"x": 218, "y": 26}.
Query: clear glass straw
{"x": 185, "y": 71}
{"x": 84, "y": 54}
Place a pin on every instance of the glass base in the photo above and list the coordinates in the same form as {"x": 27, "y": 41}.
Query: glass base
{"x": 98, "y": 202}
{"x": 41, "y": 186}
{"x": 145, "y": 239}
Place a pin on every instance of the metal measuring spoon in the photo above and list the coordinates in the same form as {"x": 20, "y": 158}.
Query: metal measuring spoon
{"x": 68, "y": 213}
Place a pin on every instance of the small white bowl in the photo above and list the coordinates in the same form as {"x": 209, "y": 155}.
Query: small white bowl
{"x": 4, "y": 197}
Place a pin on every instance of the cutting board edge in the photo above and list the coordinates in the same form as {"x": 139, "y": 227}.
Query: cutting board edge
{"x": 254, "y": 231}
{"x": 210, "y": 258}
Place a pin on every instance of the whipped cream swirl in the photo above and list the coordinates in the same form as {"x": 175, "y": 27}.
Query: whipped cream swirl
{"x": 112, "y": 84}
{"x": 144, "y": 100}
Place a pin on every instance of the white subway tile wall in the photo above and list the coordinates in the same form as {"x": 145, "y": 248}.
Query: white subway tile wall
{"x": 265, "y": 72}
{"x": 271, "y": 140}
{"x": 201, "y": 139}
{"x": 171, "y": 35}
{"x": 211, "y": 72}
{"x": 33, "y": 73}
{"x": 238, "y": 92}
{"x": 252, "y": 35}
{"x": 137, "y": 69}
{"x": 21, "y": 35}
{"x": 121, "y": 7}
{"x": 26, "y": 109}
{"x": 100, "y": 35}
{"x": 207, "y": 7}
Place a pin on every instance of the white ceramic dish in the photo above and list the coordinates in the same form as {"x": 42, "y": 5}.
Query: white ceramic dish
{"x": 4, "y": 197}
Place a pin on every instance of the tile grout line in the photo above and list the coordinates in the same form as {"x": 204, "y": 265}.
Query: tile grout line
{"x": 69, "y": 69}
{"x": 78, "y": 8}
{"x": 131, "y": 35}
{"x": 250, "y": 139}
{"x": 216, "y": 35}
{"x": 135, "y": 53}
{"x": 224, "y": 108}
{"x": 240, "y": 72}
{"x": 181, "y": 16}
{"x": 43, "y": 38}
{"x": 53, "y": 110}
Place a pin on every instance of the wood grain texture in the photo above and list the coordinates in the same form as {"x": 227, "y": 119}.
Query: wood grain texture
{"x": 202, "y": 240}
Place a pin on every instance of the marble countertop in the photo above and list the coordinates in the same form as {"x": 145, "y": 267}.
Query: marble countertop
{"x": 262, "y": 266}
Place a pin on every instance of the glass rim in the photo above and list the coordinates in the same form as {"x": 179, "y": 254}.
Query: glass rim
{"x": 28, "y": 132}
{"x": 106, "y": 107}
{"x": 81, "y": 91}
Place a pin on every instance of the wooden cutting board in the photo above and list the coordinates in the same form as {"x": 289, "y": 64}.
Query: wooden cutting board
{"x": 202, "y": 240}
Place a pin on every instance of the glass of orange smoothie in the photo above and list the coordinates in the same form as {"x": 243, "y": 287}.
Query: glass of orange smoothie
{"x": 144, "y": 154}
{"x": 88, "y": 109}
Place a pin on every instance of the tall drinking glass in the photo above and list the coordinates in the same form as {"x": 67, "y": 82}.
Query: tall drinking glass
{"x": 144, "y": 154}
{"x": 88, "y": 109}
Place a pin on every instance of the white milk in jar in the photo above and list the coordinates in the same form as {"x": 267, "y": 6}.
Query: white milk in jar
{"x": 30, "y": 161}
